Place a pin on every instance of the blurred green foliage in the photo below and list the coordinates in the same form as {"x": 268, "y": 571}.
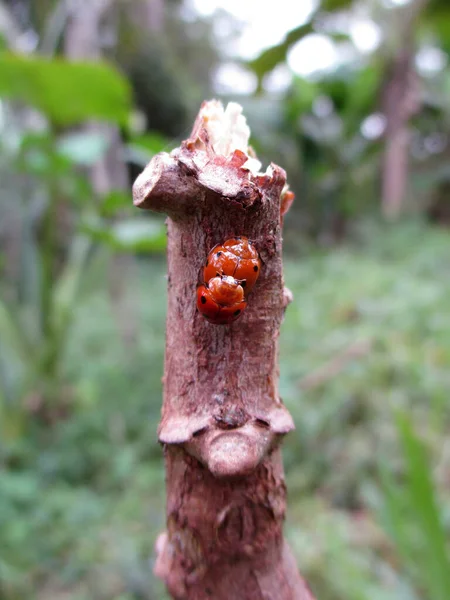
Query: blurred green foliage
{"x": 324, "y": 133}
{"x": 365, "y": 347}
{"x": 83, "y": 501}
{"x": 56, "y": 221}
{"x": 276, "y": 55}
{"x": 413, "y": 519}
{"x": 66, "y": 92}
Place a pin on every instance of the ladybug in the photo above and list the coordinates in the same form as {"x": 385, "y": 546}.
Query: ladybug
{"x": 287, "y": 198}
{"x": 238, "y": 258}
{"x": 221, "y": 300}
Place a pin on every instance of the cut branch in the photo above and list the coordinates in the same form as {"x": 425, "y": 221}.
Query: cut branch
{"x": 222, "y": 419}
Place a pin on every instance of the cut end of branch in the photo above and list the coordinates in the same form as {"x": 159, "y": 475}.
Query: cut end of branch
{"x": 224, "y": 131}
{"x": 216, "y": 158}
{"x": 148, "y": 179}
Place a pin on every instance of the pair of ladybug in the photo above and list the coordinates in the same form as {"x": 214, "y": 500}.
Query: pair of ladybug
{"x": 229, "y": 275}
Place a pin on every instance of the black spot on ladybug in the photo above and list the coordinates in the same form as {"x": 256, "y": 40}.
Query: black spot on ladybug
{"x": 219, "y": 253}
{"x": 243, "y": 283}
{"x": 203, "y": 300}
{"x": 207, "y": 263}
{"x": 255, "y": 268}
{"x": 237, "y": 312}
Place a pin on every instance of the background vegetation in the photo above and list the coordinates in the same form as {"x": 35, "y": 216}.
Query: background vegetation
{"x": 89, "y": 91}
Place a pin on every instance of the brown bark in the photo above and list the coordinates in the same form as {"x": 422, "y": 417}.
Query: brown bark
{"x": 148, "y": 15}
{"x": 222, "y": 419}
{"x": 401, "y": 101}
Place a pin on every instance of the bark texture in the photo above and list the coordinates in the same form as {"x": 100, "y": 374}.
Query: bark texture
{"x": 400, "y": 103}
{"x": 222, "y": 418}
{"x": 401, "y": 100}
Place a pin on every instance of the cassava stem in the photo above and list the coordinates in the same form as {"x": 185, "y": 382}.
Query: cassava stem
{"x": 222, "y": 419}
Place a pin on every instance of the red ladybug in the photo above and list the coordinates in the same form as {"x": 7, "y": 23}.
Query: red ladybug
{"x": 287, "y": 198}
{"x": 238, "y": 258}
{"x": 221, "y": 300}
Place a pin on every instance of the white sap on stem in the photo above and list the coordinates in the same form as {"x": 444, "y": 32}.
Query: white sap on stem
{"x": 228, "y": 131}
{"x": 218, "y": 134}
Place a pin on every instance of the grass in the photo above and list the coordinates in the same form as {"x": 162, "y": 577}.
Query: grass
{"x": 368, "y": 335}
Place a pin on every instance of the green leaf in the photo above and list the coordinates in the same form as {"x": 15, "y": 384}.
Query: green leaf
{"x": 83, "y": 148}
{"x": 425, "y": 508}
{"x": 16, "y": 352}
{"x": 275, "y": 55}
{"x": 413, "y": 519}
{"x": 364, "y": 88}
{"x": 36, "y": 155}
{"x": 11, "y": 333}
{"x": 67, "y": 287}
{"x": 335, "y": 5}
{"x": 300, "y": 99}
{"x": 394, "y": 514}
{"x": 133, "y": 235}
{"x": 142, "y": 148}
{"x": 152, "y": 141}
{"x": 66, "y": 92}
{"x": 270, "y": 58}
{"x": 435, "y": 21}
{"x": 115, "y": 201}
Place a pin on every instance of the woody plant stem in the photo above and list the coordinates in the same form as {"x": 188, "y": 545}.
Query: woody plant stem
{"x": 222, "y": 419}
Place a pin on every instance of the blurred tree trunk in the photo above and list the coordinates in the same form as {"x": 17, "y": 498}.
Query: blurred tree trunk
{"x": 399, "y": 104}
{"x": 148, "y": 15}
{"x": 83, "y": 40}
{"x": 12, "y": 229}
{"x": 400, "y": 101}
{"x": 9, "y": 29}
